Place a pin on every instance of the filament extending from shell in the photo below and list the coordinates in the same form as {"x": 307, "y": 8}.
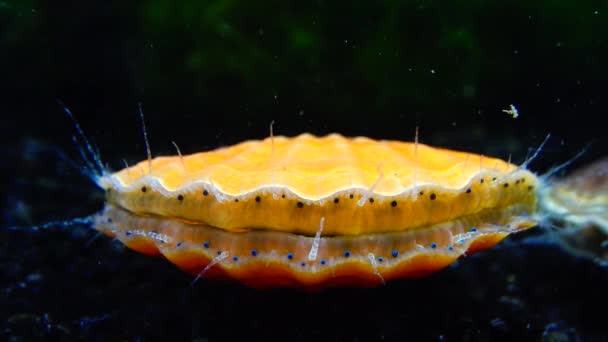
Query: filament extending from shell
{"x": 145, "y": 131}
{"x": 415, "y": 155}
{"x": 414, "y": 183}
{"x": 363, "y": 199}
{"x": 372, "y": 259}
{"x": 181, "y": 157}
{"x": 271, "y": 152}
{"x": 527, "y": 162}
{"x": 312, "y": 255}
{"x": 213, "y": 262}
{"x": 95, "y": 169}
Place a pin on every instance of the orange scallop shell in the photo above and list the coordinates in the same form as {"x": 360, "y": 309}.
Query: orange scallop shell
{"x": 317, "y": 211}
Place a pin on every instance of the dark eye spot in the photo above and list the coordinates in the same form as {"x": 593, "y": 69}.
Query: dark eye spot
{"x": 144, "y": 189}
{"x": 257, "y": 198}
{"x": 336, "y": 200}
{"x": 433, "y": 196}
{"x": 180, "y": 197}
{"x": 300, "y": 205}
{"x": 394, "y": 203}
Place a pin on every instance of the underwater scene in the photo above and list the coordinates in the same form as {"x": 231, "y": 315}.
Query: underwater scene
{"x": 308, "y": 170}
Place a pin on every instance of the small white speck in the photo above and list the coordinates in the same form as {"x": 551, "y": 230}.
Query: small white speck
{"x": 512, "y": 111}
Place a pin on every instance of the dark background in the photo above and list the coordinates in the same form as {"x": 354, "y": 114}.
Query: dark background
{"x": 213, "y": 73}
